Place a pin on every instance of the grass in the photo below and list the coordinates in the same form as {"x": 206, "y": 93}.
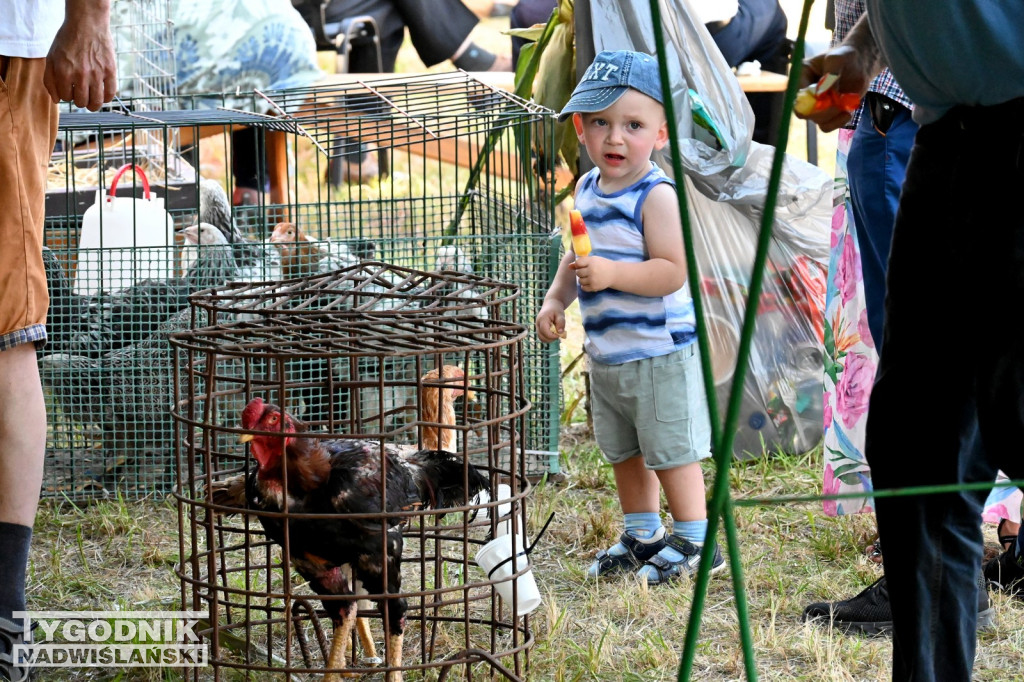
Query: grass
{"x": 116, "y": 554}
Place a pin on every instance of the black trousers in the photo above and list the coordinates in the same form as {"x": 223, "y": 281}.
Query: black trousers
{"x": 436, "y": 27}
{"x": 952, "y": 350}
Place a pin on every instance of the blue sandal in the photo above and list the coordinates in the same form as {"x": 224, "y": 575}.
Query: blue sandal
{"x": 640, "y": 550}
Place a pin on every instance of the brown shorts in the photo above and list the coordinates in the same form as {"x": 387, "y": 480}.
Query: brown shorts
{"x": 28, "y": 129}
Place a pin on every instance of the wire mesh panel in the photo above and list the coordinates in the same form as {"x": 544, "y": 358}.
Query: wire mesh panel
{"x": 460, "y": 195}
{"x": 144, "y": 43}
{"x": 374, "y": 369}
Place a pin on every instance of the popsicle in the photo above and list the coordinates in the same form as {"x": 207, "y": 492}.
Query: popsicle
{"x": 580, "y": 238}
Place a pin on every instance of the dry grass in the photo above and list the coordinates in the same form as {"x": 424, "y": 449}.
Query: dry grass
{"x": 115, "y": 554}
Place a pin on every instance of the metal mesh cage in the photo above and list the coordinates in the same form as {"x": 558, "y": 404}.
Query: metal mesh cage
{"x": 144, "y": 43}
{"x": 354, "y": 354}
{"x": 460, "y": 194}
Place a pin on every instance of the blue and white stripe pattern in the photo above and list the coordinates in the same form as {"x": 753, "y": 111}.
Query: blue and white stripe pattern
{"x": 619, "y": 326}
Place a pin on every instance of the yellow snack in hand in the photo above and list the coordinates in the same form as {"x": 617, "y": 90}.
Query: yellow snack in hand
{"x": 580, "y": 238}
{"x": 805, "y": 100}
{"x": 822, "y": 95}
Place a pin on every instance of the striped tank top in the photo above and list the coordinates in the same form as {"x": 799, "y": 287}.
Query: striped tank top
{"x": 620, "y": 326}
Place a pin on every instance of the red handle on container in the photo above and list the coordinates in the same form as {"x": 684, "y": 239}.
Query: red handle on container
{"x": 138, "y": 172}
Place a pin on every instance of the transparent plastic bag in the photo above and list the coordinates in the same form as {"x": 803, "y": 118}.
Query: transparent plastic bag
{"x": 695, "y": 63}
{"x": 781, "y": 407}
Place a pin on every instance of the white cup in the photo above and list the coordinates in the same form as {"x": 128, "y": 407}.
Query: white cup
{"x": 496, "y": 559}
{"x": 504, "y": 520}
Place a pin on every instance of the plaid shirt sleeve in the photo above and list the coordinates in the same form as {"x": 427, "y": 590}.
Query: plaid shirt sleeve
{"x": 847, "y": 14}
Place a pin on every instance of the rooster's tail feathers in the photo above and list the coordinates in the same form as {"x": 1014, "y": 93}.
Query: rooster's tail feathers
{"x": 442, "y": 478}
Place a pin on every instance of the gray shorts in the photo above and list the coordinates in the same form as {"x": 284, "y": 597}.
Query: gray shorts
{"x": 655, "y": 407}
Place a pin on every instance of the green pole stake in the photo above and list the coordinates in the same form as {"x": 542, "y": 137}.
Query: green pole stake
{"x": 721, "y": 505}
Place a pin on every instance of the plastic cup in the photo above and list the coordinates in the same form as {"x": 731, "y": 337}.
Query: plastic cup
{"x": 496, "y": 559}
{"x": 504, "y": 520}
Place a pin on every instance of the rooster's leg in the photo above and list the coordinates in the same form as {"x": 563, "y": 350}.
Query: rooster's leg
{"x": 366, "y": 639}
{"x": 339, "y": 643}
{"x": 395, "y": 656}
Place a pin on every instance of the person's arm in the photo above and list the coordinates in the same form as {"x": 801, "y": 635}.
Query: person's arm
{"x": 663, "y": 272}
{"x": 562, "y": 292}
{"x": 81, "y": 66}
{"x": 856, "y": 61}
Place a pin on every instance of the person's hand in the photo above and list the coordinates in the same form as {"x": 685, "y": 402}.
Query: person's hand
{"x": 854, "y": 76}
{"x": 81, "y": 66}
{"x": 594, "y": 273}
{"x": 551, "y": 321}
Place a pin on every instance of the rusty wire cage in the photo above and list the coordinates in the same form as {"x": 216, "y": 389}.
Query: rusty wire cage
{"x": 338, "y": 349}
{"x": 461, "y": 193}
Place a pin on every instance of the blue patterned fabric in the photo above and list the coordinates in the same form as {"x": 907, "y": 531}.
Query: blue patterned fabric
{"x": 223, "y": 46}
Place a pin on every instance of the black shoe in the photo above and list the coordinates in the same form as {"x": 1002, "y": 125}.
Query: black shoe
{"x": 1006, "y": 573}
{"x": 869, "y": 613}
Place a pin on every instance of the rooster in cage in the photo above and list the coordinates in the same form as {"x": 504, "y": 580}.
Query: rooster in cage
{"x": 340, "y": 556}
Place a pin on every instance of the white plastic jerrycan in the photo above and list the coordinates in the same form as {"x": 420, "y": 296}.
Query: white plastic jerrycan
{"x": 124, "y": 240}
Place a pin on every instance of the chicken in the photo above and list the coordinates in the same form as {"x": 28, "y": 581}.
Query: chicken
{"x": 127, "y": 392}
{"x": 453, "y": 260}
{"x": 67, "y": 312}
{"x": 215, "y": 209}
{"x": 302, "y": 256}
{"x": 437, "y": 408}
{"x": 345, "y": 477}
{"x": 256, "y": 263}
{"x": 110, "y": 321}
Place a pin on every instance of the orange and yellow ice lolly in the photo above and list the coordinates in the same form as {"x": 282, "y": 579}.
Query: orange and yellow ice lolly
{"x": 580, "y": 238}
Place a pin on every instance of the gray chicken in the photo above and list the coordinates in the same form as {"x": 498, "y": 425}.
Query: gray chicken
{"x": 215, "y": 209}
{"x": 263, "y": 263}
{"x": 107, "y": 322}
{"x": 68, "y": 311}
{"x": 127, "y": 392}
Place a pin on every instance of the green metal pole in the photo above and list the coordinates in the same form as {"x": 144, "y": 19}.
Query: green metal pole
{"x": 721, "y": 504}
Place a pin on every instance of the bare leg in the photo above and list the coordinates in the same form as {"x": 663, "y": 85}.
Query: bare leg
{"x": 23, "y": 433}
{"x": 637, "y": 487}
{"x": 684, "y": 488}
{"x": 479, "y": 56}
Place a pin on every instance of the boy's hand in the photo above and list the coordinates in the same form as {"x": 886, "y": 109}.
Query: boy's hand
{"x": 594, "y": 272}
{"x": 551, "y": 322}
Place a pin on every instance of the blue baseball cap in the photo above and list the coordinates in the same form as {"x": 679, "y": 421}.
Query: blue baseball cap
{"x": 608, "y": 78}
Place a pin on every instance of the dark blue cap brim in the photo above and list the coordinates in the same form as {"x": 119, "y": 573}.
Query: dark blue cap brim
{"x": 589, "y": 101}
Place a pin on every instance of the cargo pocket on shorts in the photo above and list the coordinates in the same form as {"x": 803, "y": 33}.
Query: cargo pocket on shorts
{"x": 670, "y": 391}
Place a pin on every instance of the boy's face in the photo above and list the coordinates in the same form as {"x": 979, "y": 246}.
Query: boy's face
{"x": 620, "y": 139}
